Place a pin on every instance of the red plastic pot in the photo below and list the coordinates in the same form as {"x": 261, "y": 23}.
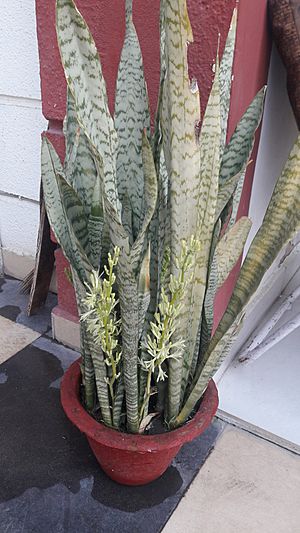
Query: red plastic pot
{"x": 133, "y": 459}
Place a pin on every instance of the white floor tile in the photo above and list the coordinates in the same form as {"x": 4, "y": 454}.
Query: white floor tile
{"x": 13, "y": 338}
{"x": 247, "y": 485}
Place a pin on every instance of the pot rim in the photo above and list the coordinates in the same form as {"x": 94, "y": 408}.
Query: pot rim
{"x": 113, "y": 438}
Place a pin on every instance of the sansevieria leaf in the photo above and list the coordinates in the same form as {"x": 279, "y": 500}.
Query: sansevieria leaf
{"x": 238, "y": 150}
{"x": 206, "y": 326}
{"x": 280, "y": 221}
{"x": 131, "y": 118}
{"x": 57, "y": 215}
{"x": 83, "y": 72}
{"x": 144, "y": 290}
{"x": 80, "y": 170}
{"x": 226, "y": 78}
{"x": 87, "y": 367}
{"x": 75, "y": 213}
{"x": 95, "y": 225}
{"x": 180, "y": 111}
{"x": 230, "y": 248}
{"x": 149, "y": 200}
{"x": 209, "y": 179}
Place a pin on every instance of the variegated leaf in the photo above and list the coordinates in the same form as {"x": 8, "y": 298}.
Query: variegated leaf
{"x": 157, "y": 136}
{"x": 209, "y": 174}
{"x": 71, "y": 130}
{"x": 131, "y": 118}
{"x": 95, "y": 225}
{"x": 226, "y": 77}
{"x": 80, "y": 170}
{"x": 230, "y": 248}
{"x": 281, "y": 218}
{"x": 238, "y": 150}
{"x": 128, "y": 288}
{"x": 280, "y": 221}
{"x": 87, "y": 367}
{"x": 144, "y": 290}
{"x": 225, "y": 194}
{"x": 198, "y": 387}
{"x": 127, "y": 217}
{"x": 236, "y": 199}
{"x": 211, "y": 289}
{"x": 180, "y": 111}
{"x": 83, "y": 72}
{"x": 160, "y": 219}
{"x": 150, "y": 199}
{"x": 128, "y": 297}
{"x": 75, "y": 214}
{"x": 56, "y": 213}
{"x": 118, "y": 402}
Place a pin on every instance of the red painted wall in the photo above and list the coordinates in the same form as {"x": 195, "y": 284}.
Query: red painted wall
{"x": 250, "y": 71}
{"x": 106, "y": 20}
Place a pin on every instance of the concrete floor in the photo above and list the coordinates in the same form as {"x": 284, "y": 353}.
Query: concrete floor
{"x": 50, "y": 482}
{"x": 247, "y": 485}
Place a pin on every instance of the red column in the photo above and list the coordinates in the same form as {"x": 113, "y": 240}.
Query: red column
{"x": 250, "y": 71}
{"x": 106, "y": 20}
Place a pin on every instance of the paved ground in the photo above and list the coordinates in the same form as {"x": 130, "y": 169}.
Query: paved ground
{"x": 247, "y": 485}
{"x": 51, "y": 483}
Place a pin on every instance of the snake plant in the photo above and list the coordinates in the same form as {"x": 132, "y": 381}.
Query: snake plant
{"x": 147, "y": 219}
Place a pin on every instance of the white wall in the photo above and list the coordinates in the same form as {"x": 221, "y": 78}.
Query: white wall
{"x": 279, "y": 132}
{"x": 21, "y": 124}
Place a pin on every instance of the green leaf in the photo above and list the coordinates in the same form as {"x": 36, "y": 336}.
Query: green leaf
{"x": 236, "y": 199}
{"x": 131, "y": 118}
{"x": 211, "y": 289}
{"x": 209, "y": 174}
{"x": 129, "y": 260}
{"x": 150, "y": 199}
{"x": 57, "y": 215}
{"x": 280, "y": 221}
{"x": 144, "y": 290}
{"x": 74, "y": 212}
{"x": 230, "y": 248}
{"x": 84, "y": 77}
{"x": 128, "y": 297}
{"x": 79, "y": 168}
{"x": 118, "y": 402}
{"x": 237, "y": 152}
{"x": 226, "y": 78}
{"x": 95, "y": 225}
{"x": 180, "y": 110}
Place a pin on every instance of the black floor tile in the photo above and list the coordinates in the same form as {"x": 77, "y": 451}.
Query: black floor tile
{"x": 13, "y": 305}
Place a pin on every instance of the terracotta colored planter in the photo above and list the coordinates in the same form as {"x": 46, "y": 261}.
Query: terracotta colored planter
{"x": 133, "y": 459}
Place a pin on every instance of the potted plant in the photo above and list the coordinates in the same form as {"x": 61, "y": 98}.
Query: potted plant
{"x": 147, "y": 220}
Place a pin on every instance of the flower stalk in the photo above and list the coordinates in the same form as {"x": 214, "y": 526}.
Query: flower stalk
{"x": 159, "y": 343}
{"x": 101, "y": 319}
